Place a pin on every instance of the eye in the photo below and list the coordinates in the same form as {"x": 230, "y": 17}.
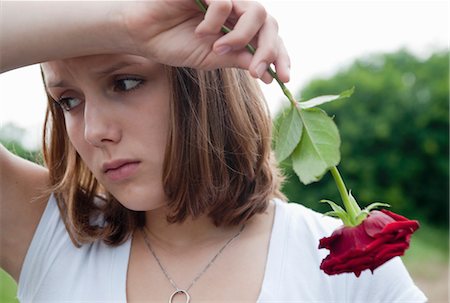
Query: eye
{"x": 127, "y": 84}
{"x": 68, "y": 103}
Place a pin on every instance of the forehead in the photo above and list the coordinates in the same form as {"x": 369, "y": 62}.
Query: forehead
{"x": 57, "y": 71}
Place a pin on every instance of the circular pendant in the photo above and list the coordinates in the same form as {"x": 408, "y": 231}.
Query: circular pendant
{"x": 182, "y": 292}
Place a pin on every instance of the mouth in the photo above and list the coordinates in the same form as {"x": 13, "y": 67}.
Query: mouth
{"x": 120, "y": 169}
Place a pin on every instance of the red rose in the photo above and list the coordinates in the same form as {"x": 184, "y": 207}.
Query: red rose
{"x": 380, "y": 237}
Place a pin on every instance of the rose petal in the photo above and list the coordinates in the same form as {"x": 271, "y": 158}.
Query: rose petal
{"x": 394, "y": 216}
{"x": 375, "y": 222}
{"x": 382, "y": 236}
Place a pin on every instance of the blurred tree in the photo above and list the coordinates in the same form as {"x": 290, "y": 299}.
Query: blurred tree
{"x": 395, "y": 135}
{"x": 11, "y": 137}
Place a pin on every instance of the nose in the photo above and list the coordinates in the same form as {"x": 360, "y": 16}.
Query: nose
{"x": 101, "y": 126}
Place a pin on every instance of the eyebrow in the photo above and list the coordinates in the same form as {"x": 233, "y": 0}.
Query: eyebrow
{"x": 114, "y": 67}
{"x": 99, "y": 73}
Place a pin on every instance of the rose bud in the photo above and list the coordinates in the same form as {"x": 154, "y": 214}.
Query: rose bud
{"x": 381, "y": 236}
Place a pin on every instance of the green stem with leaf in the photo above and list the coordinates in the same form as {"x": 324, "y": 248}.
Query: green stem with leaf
{"x": 311, "y": 140}
{"x": 350, "y": 206}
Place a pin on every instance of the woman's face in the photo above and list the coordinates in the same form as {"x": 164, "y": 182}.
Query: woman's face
{"x": 116, "y": 109}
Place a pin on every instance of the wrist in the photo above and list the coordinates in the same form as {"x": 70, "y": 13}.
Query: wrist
{"x": 114, "y": 22}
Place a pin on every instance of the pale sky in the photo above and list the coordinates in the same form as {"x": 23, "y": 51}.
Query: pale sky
{"x": 321, "y": 37}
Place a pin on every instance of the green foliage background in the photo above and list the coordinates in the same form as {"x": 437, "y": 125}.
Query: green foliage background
{"x": 12, "y": 138}
{"x": 394, "y": 132}
{"x": 8, "y": 288}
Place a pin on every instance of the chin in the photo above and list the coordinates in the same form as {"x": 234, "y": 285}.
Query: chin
{"x": 141, "y": 202}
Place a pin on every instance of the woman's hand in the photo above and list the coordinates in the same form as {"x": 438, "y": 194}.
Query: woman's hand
{"x": 177, "y": 33}
{"x": 172, "y": 32}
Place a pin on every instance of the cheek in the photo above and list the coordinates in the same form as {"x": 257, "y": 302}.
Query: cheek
{"x": 151, "y": 127}
{"x": 75, "y": 132}
{"x": 153, "y": 133}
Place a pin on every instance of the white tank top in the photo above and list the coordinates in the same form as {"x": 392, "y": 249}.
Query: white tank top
{"x": 55, "y": 270}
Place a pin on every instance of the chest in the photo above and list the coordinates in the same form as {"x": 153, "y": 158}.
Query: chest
{"x": 237, "y": 274}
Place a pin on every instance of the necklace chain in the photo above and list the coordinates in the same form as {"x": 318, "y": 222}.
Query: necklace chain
{"x": 147, "y": 242}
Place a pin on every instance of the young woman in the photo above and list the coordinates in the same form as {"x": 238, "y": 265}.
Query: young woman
{"x": 159, "y": 183}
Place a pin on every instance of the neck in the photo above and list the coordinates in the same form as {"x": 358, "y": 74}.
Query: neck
{"x": 190, "y": 232}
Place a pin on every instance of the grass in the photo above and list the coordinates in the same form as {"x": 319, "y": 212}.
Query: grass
{"x": 8, "y": 288}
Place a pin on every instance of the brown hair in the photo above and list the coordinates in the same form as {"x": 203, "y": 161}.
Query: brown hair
{"x": 218, "y": 159}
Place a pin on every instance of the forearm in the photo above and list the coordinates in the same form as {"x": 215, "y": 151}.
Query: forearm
{"x": 164, "y": 31}
{"x": 35, "y": 31}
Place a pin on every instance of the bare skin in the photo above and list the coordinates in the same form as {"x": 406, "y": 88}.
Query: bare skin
{"x": 22, "y": 205}
{"x": 236, "y": 276}
{"x": 171, "y": 32}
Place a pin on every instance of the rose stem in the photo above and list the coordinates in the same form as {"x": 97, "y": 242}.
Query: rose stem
{"x": 350, "y": 207}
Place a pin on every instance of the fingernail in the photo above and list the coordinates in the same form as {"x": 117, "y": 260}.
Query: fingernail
{"x": 288, "y": 74}
{"x": 223, "y": 49}
{"x": 260, "y": 69}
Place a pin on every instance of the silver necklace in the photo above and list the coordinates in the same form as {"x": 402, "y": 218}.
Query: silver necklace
{"x": 180, "y": 290}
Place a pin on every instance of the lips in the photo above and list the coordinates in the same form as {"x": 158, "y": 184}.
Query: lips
{"x": 120, "y": 169}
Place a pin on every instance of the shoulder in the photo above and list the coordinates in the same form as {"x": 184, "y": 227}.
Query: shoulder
{"x": 53, "y": 264}
{"x": 293, "y": 271}
{"x": 302, "y": 228}
{"x": 305, "y": 220}
{"x": 297, "y": 231}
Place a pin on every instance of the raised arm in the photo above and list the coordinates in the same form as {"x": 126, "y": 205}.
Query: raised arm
{"x": 21, "y": 205}
{"x": 38, "y": 31}
{"x": 175, "y": 33}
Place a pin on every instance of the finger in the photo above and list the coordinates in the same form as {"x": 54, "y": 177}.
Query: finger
{"x": 240, "y": 59}
{"x": 246, "y": 28}
{"x": 282, "y": 66}
{"x": 266, "y": 77}
{"x": 216, "y": 15}
{"x": 267, "y": 50}
{"x": 283, "y": 63}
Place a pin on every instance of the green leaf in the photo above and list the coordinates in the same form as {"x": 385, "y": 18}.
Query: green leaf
{"x": 337, "y": 212}
{"x": 365, "y": 212}
{"x": 332, "y": 214}
{"x": 376, "y": 205}
{"x": 360, "y": 217}
{"x": 325, "y": 99}
{"x": 318, "y": 149}
{"x": 289, "y": 134}
{"x": 353, "y": 202}
{"x": 333, "y": 205}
